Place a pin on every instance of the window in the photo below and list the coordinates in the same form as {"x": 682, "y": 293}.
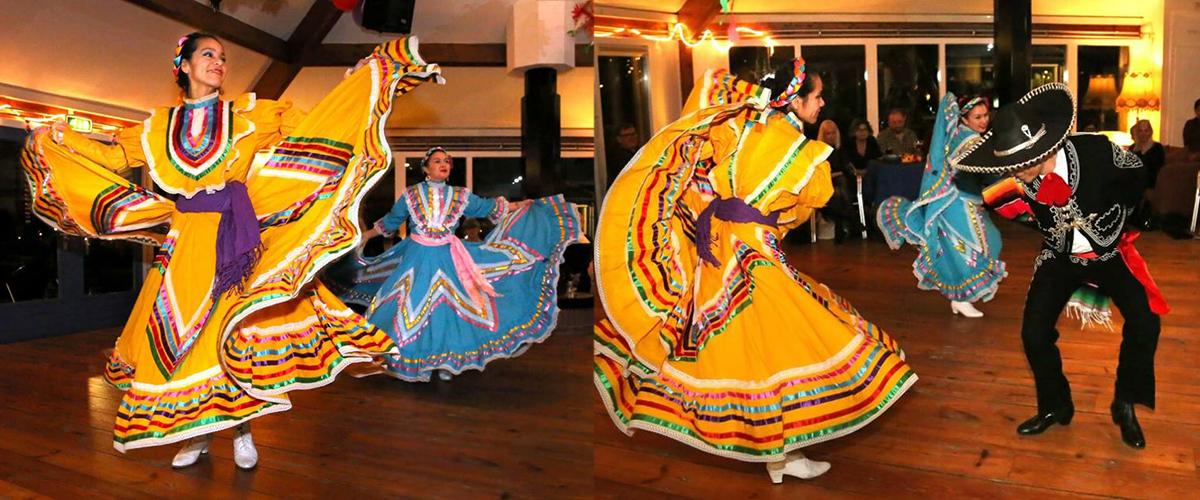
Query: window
{"x": 498, "y": 176}
{"x": 1049, "y": 64}
{"x": 1101, "y": 76}
{"x": 624, "y": 108}
{"x": 842, "y": 68}
{"x": 578, "y": 185}
{"x": 376, "y": 204}
{"x": 110, "y": 265}
{"x": 907, "y": 76}
{"x": 753, "y": 63}
{"x": 413, "y": 174}
{"x": 970, "y": 70}
{"x": 28, "y": 247}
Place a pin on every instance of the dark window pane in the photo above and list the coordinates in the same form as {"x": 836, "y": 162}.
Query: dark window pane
{"x": 377, "y": 203}
{"x": 1049, "y": 64}
{"x": 753, "y": 63}
{"x": 624, "y": 104}
{"x": 414, "y": 175}
{"x": 28, "y": 247}
{"x": 970, "y": 70}
{"x": 495, "y": 177}
{"x": 109, "y": 266}
{"x": 842, "y": 68}
{"x": 1101, "y": 78}
{"x": 908, "y": 82}
{"x": 579, "y": 185}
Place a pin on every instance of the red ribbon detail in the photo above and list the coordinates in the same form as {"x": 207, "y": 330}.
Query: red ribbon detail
{"x": 1137, "y": 266}
{"x": 1053, "y": 190}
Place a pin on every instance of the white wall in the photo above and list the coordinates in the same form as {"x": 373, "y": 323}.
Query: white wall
{"x": 473, "y": 101}
{"x": 108, "y": 51}
{"x": 1181, "y": 73}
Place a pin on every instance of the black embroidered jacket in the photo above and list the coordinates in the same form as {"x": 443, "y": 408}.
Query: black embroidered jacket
{"x": 1106, "y": 183}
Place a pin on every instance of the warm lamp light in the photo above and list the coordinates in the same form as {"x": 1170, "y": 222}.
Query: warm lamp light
{"x": 1101, "y": 92}
{"x": 1122, "y": 139}
{"x": 1138, "y": 94}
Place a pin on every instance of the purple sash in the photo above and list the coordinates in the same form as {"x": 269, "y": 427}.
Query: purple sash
{"x": 238, "y": 240}
{"x": 729, "y": 210}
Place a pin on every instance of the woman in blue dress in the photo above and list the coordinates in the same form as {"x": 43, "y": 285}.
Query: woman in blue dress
{"x": 958, "y": 246}
{"x": 451, "y": 305}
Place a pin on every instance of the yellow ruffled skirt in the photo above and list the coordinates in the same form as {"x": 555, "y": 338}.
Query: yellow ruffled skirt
{"x": 192, "y": 364}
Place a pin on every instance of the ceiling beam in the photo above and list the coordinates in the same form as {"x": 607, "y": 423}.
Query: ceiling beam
{"x": 444, "y": 54}
{"x": 224, "y": 26}
{"x": 697, "y": 14}
{"x": 307, "y": 37}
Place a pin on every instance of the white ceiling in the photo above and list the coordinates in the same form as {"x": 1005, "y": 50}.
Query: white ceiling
{"x": 108, "y": 51}
{"x": 277, "y": 17}
{"x": 114, "y": 52}
{"x": 671, "y": 6}
{"x": 448, "y": 21}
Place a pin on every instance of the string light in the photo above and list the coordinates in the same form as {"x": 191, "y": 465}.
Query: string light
{"x": 679, "y": 31}
{"x": 35, "y": 119}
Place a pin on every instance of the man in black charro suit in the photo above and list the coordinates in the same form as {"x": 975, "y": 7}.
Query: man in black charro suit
{"x": 1079, "y": 188}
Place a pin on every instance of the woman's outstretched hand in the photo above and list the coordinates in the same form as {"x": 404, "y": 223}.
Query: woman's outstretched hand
{"x": 57, "y": 131}
{"x": 361, "y": 62}
{"x": 370, "y": 233}
{"x": 520, "y": 204}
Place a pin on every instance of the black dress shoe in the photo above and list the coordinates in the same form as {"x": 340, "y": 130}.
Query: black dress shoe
{"x": 1039, "y": 423}
{"x": 1131, "y": 431}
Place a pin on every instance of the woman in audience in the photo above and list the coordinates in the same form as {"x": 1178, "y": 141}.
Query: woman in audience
{"x": 864, "y": 147}
{"x": 840, "y": 207}
{"x": 1153, "y": 156}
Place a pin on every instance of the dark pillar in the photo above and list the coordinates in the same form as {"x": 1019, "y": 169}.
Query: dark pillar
{"x": 541, "y": 132}
{"x": 686, "y": 77}
{"x": 1013, "y": 48}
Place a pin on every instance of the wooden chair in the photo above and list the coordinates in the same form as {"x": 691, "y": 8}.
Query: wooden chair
{"x": 1196, "y": 205}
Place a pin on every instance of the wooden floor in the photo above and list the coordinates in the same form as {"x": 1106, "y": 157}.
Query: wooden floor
{"x": 518, "y": 430}
{"x": 953, "y": 435}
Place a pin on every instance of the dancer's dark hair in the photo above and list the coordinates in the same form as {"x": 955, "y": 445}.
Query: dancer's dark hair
{"x": 778, "y": 80}
{"x": 185, "y": 50}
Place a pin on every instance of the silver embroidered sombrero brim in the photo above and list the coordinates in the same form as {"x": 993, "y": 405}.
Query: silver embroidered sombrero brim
{"x": 1023, "y": 133}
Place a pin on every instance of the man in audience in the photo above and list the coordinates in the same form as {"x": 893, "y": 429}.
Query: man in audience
{"x": 622, "y": 150}
{"x": 897, "y": 139}
{"x": 1191, "y": 131}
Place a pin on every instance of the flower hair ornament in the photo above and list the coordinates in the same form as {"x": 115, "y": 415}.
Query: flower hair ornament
{"x": 178, "y": 55}
{"x": 793, "y": 87}
{"x": 969, "y": 105}
{"x": 425, "y": 160}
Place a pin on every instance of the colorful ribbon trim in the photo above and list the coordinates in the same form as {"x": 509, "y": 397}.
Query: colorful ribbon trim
{"x": 468, "y": 272}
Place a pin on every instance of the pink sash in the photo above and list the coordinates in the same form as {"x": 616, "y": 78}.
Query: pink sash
{"x": 468, "y": 272}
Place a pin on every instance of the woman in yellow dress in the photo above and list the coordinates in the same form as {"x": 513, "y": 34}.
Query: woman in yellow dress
{"x": 708, "y": 336}
{"x": 230, "y": 317}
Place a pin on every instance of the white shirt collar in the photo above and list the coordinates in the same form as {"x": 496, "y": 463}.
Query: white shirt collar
{"x": 1060, "y": 164}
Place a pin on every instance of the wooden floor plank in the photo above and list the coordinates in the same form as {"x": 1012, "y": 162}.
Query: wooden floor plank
{"x": 953, "y": 435}
{"x": 522, "y": 429}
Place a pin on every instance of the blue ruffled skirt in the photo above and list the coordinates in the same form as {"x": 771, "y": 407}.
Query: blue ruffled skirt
{"x": 414, "y": 294}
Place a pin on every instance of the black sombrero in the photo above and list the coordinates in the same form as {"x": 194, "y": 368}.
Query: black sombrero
{"x": 1023, "y": 133}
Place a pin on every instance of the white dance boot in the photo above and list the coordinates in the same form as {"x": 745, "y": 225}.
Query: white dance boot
{"x": 796, "y": 465}
{"x": 965, "y": 309}
{"x": 191, "y": 451}
{"x": 445, "y": 375}
{"x": 244, "y": 454}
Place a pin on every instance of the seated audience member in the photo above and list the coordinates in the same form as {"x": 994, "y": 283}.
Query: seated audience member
{"x": 840, "y": 207}
{"x": 898, "y": 139}
{"x": 863, "y": 148}
{"x": 1153, "y": 157}
{"x": 1191, "y": 130}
